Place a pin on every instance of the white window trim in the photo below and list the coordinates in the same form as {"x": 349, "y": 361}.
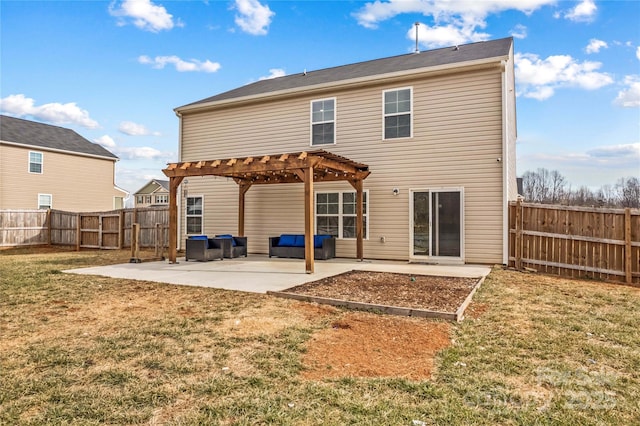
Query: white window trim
{"x": 334, "y": 121}
{"x": 410, "y": 112}
{"x": 50, "y": 201}
{"x": 41, "y": 163}
{"x": 187, "y": 216}
{"x": 340, "y": 214}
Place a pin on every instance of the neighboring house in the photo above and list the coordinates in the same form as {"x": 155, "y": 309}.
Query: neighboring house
{"x": 436, "y": 128}
{"x": 50, "y": 167}
{"x": 154, "y": 193}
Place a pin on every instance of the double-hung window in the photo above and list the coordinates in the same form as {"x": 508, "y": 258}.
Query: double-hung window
{"x": 194, "y": 215}
{"x": 397, "y": 113}
{"x": 44, "y": 201}
{"x": 162, "y": 199}
{"x": 35, "y": 162}
{"x": 323, "y": 122}
{"x": 336, "y": 214}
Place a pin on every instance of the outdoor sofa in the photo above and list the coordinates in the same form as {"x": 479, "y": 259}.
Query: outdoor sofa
{"x": 233, "y": 246}
{"x": 201, "y": 248}
{"x": 292, "y": 245}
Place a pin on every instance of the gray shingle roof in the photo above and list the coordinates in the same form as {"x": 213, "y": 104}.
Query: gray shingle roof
{"x": 431, "y": 58}
{"x": 36, "y": 134}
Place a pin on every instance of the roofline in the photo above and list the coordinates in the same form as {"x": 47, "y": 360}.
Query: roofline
{"x": 439, "y": 69}
{"x": 63, "y": 151}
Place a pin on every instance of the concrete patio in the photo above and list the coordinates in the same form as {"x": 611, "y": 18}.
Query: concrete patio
{"x": 259, "y": 273}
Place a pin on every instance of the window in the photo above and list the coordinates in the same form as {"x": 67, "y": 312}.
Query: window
{"x": 397, "y": 113}
{"x": 162, "y": 199}
{"x": 35, "y": 162}
{"x": 194, "y": 215}
{"x": 147, "y": 199}
{"x": 336, "y": 214}
{"x": 44, "y": 201}
{"x": 140, "y": 199}
{"x": 323, "y": 122}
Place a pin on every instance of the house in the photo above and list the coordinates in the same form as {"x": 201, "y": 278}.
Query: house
{"x": 435, "y": 132}
{"x": 153, "y": 193}
{"x": 50, "y": 167}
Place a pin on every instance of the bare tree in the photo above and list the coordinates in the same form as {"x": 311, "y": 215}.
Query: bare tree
{"x": 629, "y": 192}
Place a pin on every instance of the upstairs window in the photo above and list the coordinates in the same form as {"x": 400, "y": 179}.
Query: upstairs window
{"x": 397, "y": 113}
{"x": 35, "y": 162}
{"x": 162, "y": 199}
{"x": 323, "y": 122}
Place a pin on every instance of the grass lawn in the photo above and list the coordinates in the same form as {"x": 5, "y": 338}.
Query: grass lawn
{"x": 90, "y": 350}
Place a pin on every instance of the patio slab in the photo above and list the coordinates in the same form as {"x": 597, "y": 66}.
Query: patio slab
{"x": 260, "y": 274}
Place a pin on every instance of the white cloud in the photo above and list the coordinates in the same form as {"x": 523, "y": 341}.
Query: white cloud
{"x": 629, "y": 97}
{"x": 455, "y": 22}
{"x": 106, "y": 141}
{"x": 595, "y": 45}
{"x": 145, "y": 15}
{"x": 253, "y": 17}
{"x": 134, "y": 129}
{"x": 274, "y": 73}
{"x": 539, "y": 78}
{"x": 519, "y": 31}
{"x": 54, "y": 113}
{"x": 626, "y": 151}
{"x": 583, "y": 12}
{"x": 140, "y": 153}
{"x": 638, "y": 53}
{"x": 181, "y": 65}
{"x": 445, "y": 35}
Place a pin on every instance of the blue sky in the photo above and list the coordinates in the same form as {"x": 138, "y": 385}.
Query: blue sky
{"x": 115, "y": 70}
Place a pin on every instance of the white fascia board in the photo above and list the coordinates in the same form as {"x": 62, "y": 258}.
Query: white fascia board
{"x": 62, "y": 151}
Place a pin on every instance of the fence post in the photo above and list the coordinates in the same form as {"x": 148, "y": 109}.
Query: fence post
{"x": 518, "y": 228}
{"x": 78, "y": 232}
{"x": 627, "y": 245}
{"x": 121, "y": 230}
{"x": 48, "y": 219}
{"x": 135, "y": 243}
{"x": 159, "y": 243}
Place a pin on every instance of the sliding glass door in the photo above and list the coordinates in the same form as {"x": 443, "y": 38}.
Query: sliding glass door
{"x": 436, "y": 225}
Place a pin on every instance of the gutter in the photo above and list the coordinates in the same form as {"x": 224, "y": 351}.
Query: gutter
{"x": 354, "y": 82}
{"x": 62, "y": 151}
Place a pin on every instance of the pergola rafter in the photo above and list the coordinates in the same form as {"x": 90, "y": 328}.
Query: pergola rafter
{"x": 300, "y": 167}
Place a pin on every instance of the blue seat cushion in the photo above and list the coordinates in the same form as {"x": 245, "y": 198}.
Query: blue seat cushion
{"x": 228, "y": 237}
{"x": 198, "y": 237}
{"x": 299, "y": 241}
{"x": 287, "y": 240}
{"x": 318, "y": 239}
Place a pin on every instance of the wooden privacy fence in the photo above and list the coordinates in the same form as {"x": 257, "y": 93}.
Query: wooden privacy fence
{"x": 105, "y": 230}
{"x": 576, "y": 241}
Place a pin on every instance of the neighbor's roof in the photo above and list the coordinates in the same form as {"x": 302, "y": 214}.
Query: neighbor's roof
{"x": 431, "y": 58}
{"x": 46, "y": 136}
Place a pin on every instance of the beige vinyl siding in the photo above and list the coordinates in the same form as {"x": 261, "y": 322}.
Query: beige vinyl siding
{"x": 457, "y": 137}
{"x": 76, "y": 183}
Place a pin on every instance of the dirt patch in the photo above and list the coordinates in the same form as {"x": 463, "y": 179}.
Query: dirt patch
{"x": 441, "y": 294}
{"x": 361, "y": 344}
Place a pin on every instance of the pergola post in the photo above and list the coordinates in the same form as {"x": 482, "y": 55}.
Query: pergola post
{"x": 308, "y": 220}
{"x": 242, "y": 190}
{"x": 357, "y": 185}
{"x": 174, "y": 183}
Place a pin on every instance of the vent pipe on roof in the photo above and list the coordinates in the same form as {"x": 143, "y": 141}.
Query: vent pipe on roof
{"x": 417, "y": 24}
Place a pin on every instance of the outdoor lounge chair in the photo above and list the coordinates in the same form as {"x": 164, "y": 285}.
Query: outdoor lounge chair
{"x": 233, "y": 246}
{"x": 203, "y": 249}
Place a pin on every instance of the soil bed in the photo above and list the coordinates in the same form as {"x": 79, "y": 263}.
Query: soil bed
{"x": 425, "y": 292}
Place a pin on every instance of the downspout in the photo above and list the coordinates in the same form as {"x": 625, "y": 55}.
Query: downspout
{"x": 179, "y": 196}
{"x": 505, "y": 164}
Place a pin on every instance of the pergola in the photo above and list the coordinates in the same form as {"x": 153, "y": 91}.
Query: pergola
{"x": 306, "y": 167}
